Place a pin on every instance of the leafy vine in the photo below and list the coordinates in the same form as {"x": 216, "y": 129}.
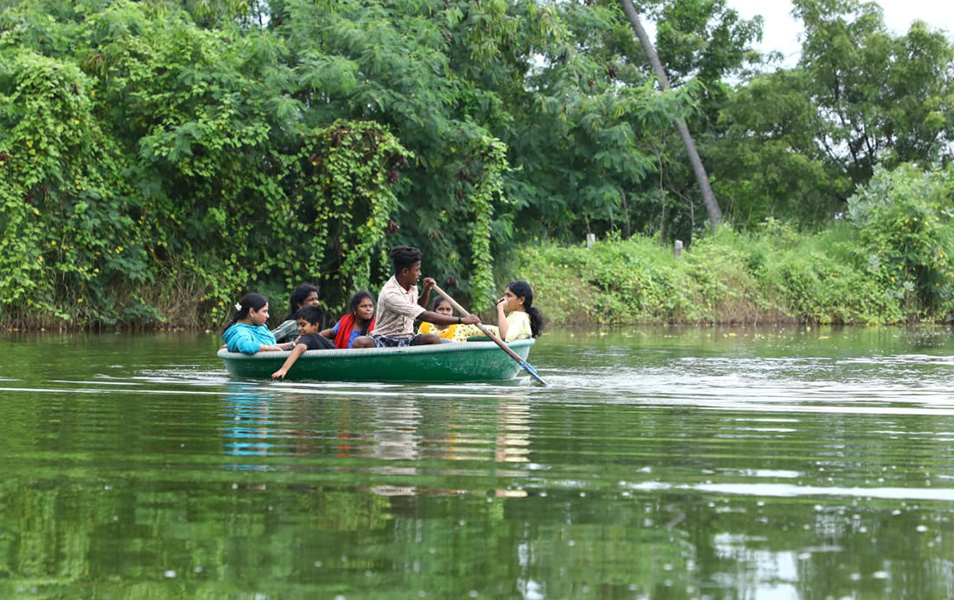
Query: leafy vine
{"x": 488, "y": 187}
{"x": 347, "y": 201}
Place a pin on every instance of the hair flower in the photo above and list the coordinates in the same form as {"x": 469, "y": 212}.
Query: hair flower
{"x": 238, "y": 306}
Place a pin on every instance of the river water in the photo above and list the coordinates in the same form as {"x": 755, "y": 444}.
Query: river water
{"x": 659, "y": 463}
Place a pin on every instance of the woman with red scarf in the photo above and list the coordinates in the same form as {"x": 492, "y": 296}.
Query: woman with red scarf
{"x": 359, "y": 322}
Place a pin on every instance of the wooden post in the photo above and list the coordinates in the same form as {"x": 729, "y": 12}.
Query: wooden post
{"x": 590, "y": 240}
{"x": 677, "y": 250}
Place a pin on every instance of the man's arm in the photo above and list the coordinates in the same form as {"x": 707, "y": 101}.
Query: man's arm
{"x": 438, "y": 319}
{"x": 429, "y": 284}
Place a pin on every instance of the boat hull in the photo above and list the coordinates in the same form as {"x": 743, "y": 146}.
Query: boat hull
{"x": 471, "y": 361}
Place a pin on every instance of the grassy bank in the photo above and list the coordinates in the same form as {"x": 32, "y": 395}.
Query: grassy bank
{"x": 772, "y": 276}
{"x": 887, "y": 259}
{"x": 726, "y": 278}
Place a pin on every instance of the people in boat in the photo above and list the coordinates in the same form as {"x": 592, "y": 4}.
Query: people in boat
{"x": 441, "y": 306}
{"x": 309, "y": 322}
{"x": 247, "y": 332}
{"x": 399, "y": 305}
{"x": 517, "y": 317}
{"x": 305, "y": 294}
{"x": 358, "y": 322}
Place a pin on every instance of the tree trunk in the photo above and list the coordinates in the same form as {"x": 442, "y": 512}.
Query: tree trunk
{"x": 712, "y": 207}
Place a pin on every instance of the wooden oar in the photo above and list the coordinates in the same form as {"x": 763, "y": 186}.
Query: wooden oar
{"x": 526, "y": 366}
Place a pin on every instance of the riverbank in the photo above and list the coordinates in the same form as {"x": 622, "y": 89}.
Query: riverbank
{"x": 773, "y": 276}
{"x": 889, "y": 259}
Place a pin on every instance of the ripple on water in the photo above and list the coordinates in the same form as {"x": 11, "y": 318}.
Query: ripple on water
{"x": 639, "y": 467}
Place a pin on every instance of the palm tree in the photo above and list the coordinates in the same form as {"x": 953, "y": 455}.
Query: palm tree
{"x": 712, "y": 207}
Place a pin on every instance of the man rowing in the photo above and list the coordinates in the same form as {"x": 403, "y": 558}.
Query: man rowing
{"x": 399, "y": 305}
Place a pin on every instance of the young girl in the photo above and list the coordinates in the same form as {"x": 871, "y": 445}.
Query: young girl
{"x": 516, "y": 316}
{"x": 445, "y": 332}
{"x": 247, "y": 332}
{"x": 309, "y": 320}
{"x": 351, "y": 326}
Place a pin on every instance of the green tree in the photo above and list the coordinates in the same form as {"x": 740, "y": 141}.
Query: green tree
{"x": 767, "y": 158}
{"x": 798, "y": 141}
{"x": 882, "y": 98}
{"x": 708, "y": 198}
{"x": 702, "y": 44}
{"x": 905, "y": 226}
{"x": 594, "y": 143}
{"x": 149, "y": 162}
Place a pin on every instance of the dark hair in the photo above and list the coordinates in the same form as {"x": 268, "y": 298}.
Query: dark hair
{"x": 522, "y": 289}
{"x": 298, "y": 295}
{"x": 312, "y": 314}
{"x": 437, "y": 302}
{"x": 404, "y": 257}
{"x": 357, "y": 298}
{"x": 248, "y": 301}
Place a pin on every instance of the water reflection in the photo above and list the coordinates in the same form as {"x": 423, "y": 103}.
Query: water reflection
{"x": 792, "y": 465}
{"x": 246, "y": 426}
{"x": 513, "y": 432}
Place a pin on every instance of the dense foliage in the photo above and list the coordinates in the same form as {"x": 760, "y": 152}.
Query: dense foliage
{"x": 159, "y": 158}
{"x": 889, "y": 261}
{"x": 797, "y": 142}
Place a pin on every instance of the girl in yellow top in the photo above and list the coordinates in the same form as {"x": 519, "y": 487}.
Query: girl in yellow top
{"x": 517, "y": 318}
{"x": 445, "y": 332}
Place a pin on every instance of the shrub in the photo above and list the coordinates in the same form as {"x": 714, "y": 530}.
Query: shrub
{"x": 887, "y": 263}
{"x": 904, "y": 224}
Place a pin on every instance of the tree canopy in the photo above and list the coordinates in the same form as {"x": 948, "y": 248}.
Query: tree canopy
{"x": 158, "y": 158}
{"x": 798, "y": 141}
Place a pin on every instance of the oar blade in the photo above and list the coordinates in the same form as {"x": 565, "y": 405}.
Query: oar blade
{"x": 532, "y": 372}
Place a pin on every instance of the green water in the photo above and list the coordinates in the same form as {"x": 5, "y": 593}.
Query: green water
{"x": 710, "y": 463}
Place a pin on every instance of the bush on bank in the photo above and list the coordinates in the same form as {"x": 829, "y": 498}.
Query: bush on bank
{"x": 887, "y": 259}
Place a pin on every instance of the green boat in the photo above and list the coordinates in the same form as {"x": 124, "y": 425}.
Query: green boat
{"x": 470, "y": 361}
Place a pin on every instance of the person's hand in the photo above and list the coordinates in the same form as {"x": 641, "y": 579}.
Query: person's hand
{"x": 429, "y": 283}
{"x": 500, "y": 300}
{"x": 471, "y": 320}
{"x": 279, "y": 374}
